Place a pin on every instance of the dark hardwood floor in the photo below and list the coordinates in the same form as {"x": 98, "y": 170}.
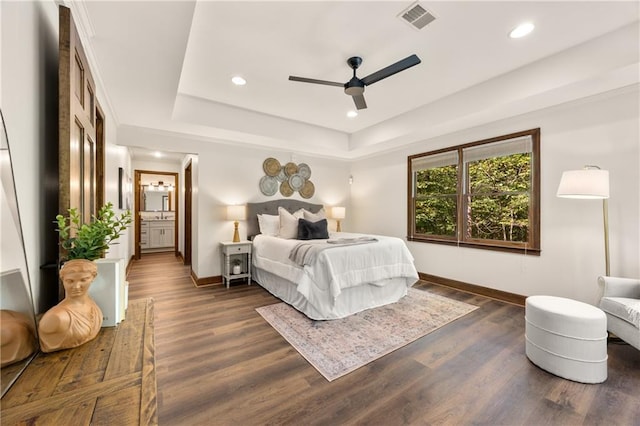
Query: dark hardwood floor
{"x": 219, "y": 363}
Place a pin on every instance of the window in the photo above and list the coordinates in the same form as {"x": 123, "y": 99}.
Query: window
{"x": 483, "y": 194}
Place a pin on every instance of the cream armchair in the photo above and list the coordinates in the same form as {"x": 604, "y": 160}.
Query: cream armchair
{"x": 621, "y": 303}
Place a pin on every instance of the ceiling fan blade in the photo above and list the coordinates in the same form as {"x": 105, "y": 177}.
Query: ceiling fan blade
{"x": 359, "y": 101}
{"x": 392, "y": 69}
{"x": 312, "y": 80}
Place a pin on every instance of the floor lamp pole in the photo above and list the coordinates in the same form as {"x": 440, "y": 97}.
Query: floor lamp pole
{"x": 605, "y": 215}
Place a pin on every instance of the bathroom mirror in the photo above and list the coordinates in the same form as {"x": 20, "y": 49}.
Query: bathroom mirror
{"x": 155, "y": 200}
{"x": 18, "y": 322}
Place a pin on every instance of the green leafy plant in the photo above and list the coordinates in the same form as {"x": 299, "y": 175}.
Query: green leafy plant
{"x": 91, "y": 240}
{"x": 236, "y": 262}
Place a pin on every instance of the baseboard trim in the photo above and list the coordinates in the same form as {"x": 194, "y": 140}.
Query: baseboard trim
{"x": 503, "y": 296}
{"x": 129, "y": 265}
{"x": 206, "y": 281}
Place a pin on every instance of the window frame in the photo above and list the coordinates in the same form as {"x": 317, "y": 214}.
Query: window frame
{"x": 531, "y": 247}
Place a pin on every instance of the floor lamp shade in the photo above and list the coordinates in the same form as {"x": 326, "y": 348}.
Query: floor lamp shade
{"x": 590, "y": 183}
{"x": 587, "y": 183}
{"x": 236, "y": 213}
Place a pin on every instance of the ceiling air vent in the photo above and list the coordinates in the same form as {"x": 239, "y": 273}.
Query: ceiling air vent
{"x": 417, "y": 16}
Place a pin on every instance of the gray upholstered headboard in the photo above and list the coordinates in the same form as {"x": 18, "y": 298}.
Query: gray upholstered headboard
{"x": 271, "y": 207}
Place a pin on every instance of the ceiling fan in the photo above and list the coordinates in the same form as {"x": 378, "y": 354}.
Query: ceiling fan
{"x": 355, "y": 86}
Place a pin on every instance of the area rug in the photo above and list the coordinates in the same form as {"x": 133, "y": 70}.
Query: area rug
{"x": 338, "y": 347}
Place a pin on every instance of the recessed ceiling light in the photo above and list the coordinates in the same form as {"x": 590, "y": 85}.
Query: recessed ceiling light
{"x": 522, "y": 30}
{"x": 239, "y": 81}
{"x": 352, "y": 114}
{"x": 157, "y": 154}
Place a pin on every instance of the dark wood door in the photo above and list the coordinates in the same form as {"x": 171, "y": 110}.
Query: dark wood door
{"x": 187, "y": 214}
{"x": 77, "y": 148}
{"x": 138, "y": 218}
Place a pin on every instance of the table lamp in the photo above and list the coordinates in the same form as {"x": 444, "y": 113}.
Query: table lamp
{"x": 236, "y": 213}
{"x": 338, "y": 213}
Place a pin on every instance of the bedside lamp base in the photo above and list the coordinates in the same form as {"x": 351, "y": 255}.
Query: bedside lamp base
{"x": 236, "y": 235}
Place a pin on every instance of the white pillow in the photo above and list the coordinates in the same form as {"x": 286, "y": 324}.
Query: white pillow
{"x": 269, "y": 224}
{"x": 289, "y": 223}
{"x": 314, "y": 217}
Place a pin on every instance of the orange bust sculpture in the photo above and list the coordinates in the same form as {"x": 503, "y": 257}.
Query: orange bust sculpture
{"x": 77, "y": 319}
{"x": 17, "y": 336}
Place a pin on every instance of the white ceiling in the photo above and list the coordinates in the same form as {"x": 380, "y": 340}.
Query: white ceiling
{"x": 156, "y": 156}
{"x": 168, "y": 66}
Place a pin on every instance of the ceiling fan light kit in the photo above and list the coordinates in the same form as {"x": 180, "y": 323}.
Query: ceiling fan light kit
{"x": 355, "y": 86}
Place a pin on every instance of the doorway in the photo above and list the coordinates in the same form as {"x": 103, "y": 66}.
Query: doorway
{"x": 156, "y": 212}
{"x": 187, "y": 214}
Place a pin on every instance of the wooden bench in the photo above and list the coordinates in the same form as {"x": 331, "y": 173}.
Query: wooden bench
{"x": 109, "y": 380}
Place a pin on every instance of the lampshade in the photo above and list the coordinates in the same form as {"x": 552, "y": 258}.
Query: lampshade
{"x": 589, "y": 183}
{"x": 338, "y": 212}
{"x": 236, "y": 213}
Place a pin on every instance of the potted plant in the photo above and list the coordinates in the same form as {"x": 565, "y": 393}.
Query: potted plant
{"x": 90, "y": 240}
{"x": 236, "y": 266}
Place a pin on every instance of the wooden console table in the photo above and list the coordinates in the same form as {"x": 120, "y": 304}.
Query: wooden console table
{"x": 109, "y": 380}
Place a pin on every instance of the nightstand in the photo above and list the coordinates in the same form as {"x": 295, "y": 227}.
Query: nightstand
{"x": 232, "y": 251}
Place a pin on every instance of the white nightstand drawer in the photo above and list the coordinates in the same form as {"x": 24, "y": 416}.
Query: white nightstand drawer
{"x": 237, "y": 249}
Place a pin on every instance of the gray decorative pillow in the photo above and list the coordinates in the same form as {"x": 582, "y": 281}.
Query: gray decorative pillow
{"x": 312, "y": 230}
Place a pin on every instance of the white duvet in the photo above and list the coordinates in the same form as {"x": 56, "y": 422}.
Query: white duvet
{"x": 338, "y": 267}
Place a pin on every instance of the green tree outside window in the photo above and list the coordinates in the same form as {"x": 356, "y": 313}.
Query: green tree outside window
{"x": 488, "y": 198}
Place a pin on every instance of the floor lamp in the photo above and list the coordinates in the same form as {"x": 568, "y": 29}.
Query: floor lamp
{"x": 590, "y": 183}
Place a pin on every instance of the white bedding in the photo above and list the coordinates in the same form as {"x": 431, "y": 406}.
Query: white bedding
{"x": 384, "y": 262}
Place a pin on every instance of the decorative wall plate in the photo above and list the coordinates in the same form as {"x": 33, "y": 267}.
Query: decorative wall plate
{"x": 290, "y": 169}
{"x": 308, "y": 190}
{"x": 282, "y": 176}
{"x": 271, "y": 166}
{"x": 304, "y": 170}
{"x": 268, "y": 185}
{"x": 285, "y": 189}
{"x": 288, "y": 178}
{"x": 296, "y": 182}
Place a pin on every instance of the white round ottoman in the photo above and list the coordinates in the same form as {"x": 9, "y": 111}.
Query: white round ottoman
{"x": 567, "y": 338}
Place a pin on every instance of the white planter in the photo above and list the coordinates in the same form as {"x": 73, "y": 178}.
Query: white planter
{"x": 236, "y": 270}
{"x": 109, "y": 290}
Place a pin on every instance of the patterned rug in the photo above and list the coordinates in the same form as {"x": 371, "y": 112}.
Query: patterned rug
{"x": 338, "y": 347}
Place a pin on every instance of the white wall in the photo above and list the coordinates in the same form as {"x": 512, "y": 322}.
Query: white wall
{"x": 29, "y": 37}
{"x": 156, "y": 166}
{"x": 116, "y": 157}
{"x": 601, "y": 130}
{"x": 229, "y": 174}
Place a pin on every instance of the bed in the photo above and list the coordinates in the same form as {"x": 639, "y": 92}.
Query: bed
{"x": 334, "y": 277}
